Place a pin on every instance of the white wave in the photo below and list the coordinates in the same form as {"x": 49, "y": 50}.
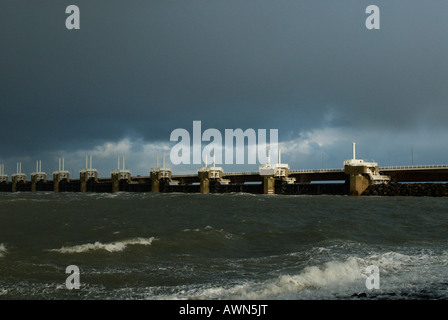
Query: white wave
{"x": 110, "y": 247}
{"x": 333, "y": 279}
{"x": 3, "y": 250}
{"x": 332, "y": 274}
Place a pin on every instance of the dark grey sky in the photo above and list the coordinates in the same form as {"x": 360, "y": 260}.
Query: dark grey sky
{"x": 137, "y": 70}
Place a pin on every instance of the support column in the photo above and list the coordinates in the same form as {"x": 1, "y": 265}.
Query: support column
{"x": 155, "y": 180}
{"x": 115, "y": 182}
{"x": 83, "y": 178}
{"x": 205, "y": 181}
{"x": 14, "y": 184}
{"x": 56, "y": 179}
{"x": 268, "y": 185}
{"x": 17, "y": 177}
{"x": 33, "y": 184}
{"x": 205, "y": 186}
{"x": 358, "y": 184}
{"x": 87, "y": 174}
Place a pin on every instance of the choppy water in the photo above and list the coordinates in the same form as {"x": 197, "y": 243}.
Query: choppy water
{"x": 222, "y": 246}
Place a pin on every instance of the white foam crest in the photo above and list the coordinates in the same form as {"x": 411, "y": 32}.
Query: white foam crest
{"x": 3, "y": 250}
{"x": 394, "y": 262}
{"x": 333, "y": 278}
{"x": 110, "y": 247}
{"x": 332, "y": 274}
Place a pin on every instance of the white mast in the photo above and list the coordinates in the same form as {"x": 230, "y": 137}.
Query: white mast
{"x": 279, "y": 156}
{"x": 90, "y": 161}
{"x": 269, "y": 156}
{"x": 354, "y": 150}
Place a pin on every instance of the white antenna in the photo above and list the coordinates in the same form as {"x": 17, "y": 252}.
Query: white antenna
{"x": 157, "y": 161}
{"x": 63, "y": 164}
{"x": 118, "y": 166}
{"x": 123, "y": 163}
{"x": 213, "y": 158}
{"x": 20, "y": 167}
{"x": 279, "y": 156}
{"x": 59, "y": 164}
{"x": 354, "y": 150}
{"x": 269, "y": 156}
{"x": 37, "y": 165}
{"x": 86, "y": 161}
{"x": 40, "y": 165}
{"x": 163, "y": 161}
{"x": 90, "y": 161}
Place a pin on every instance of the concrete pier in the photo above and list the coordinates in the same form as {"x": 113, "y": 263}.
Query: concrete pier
{"x": 155, "y": 179}
{"x": 204, "y": 176}
{"x": 87, "y": 175}
{"x": 362, "y": 174}
{"x": 3, "y": 176}
{"x": 274, "y": 172}
{"x": 210, "y": 176}
{"x": 120, "y": 176}
{"x": 268, "y": 185}
{"x": 160, "y": 177}
{"x": 61, "y": 175}
{"x": 18, "y": 177}
{"x": 38, "y": 176}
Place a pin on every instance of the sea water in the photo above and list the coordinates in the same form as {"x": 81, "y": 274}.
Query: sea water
{"x": 222, "y": 246}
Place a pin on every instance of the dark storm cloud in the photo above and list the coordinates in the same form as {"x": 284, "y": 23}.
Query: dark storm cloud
{"x": 144, "y": 68}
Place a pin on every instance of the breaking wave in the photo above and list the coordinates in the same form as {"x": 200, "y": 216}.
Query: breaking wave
{"x": 335, "y": 280}
{"x": 110, "y": 247}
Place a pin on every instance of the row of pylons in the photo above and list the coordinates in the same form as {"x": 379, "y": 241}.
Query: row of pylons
{"x": 361, "y": 174}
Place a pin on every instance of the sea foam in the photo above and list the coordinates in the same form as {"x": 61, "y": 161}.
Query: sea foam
{"x": 3, "y": 250}
{"x": 110, "y": 247}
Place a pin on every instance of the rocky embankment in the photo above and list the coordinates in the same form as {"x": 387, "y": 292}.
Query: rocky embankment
{"x": 408, "y": 189}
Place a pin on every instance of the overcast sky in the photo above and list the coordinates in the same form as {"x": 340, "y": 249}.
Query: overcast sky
{"x": 137, "y": 70}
